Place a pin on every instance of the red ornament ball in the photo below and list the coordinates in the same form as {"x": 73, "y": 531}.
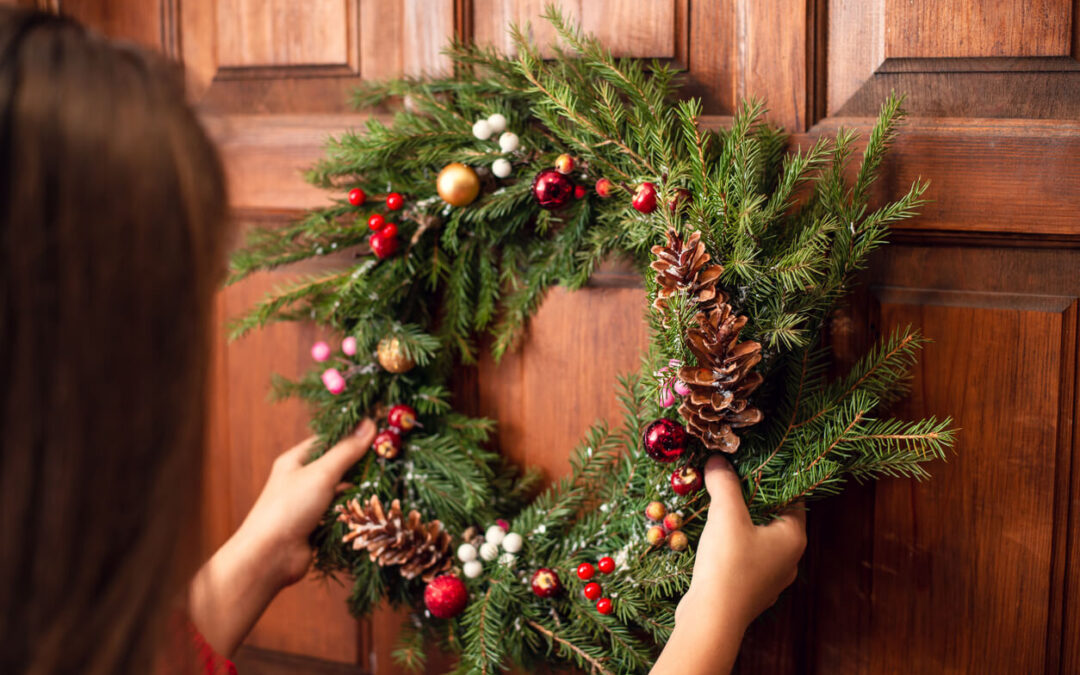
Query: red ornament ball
{"x": 592, "y": 590}
{"x": 382, "y": 245}
{"x": 387, "y": 444}
{"x": 357, "y": 196}
{"x": 394, "y": 201}
{"x": 545, "y": 583}
{"x": 552, "y": 190}
{"x": 585, "y": 571}
{"x": 604, "y": 187}
{"x": 604, "y": 606}
{"x": 446, "y": 596}
{"x": 645, "y": 198}
{"x": 402, "y": 418}
{"x": 376, "y": 221}
{"x": 606, "y": 564}
{"x": 664, "y": 440}
{"x": 686, "y": 480}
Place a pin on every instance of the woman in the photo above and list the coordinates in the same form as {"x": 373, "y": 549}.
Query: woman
{"x": 113, "y": 229}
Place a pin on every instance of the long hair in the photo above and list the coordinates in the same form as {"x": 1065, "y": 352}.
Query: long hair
{"x": 112, "y": 223}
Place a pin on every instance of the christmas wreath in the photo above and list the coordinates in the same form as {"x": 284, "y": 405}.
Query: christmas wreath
{"x": 489, "y": 187}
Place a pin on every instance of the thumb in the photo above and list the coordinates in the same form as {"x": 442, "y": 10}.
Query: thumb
{"x": 337, "y": 460}
{"x": 725, "y": 491}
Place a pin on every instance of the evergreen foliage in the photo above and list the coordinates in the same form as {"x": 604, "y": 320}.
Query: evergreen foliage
{"x": 789, "y": 228}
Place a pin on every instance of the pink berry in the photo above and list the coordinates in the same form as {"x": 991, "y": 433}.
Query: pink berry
{"x": 320, "y": 351}
{"x": 680, "y": 388}
{"x": 667, "y": 399}
{"x": 503, "y": 524}
{"x": 333, "y": 380}
{"x": 348, "y": 346}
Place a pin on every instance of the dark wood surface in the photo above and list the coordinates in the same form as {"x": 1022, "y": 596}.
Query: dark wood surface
{"x": 975, "y": 571}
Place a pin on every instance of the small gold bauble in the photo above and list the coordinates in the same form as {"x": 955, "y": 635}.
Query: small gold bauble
{"x": 392, "y": 357}
{"x": 458, "y": 184}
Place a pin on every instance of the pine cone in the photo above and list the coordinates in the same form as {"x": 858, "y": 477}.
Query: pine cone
{"x": 722, "y": 382}
{"x": 678, "y": 269}
{"x": 420, "y": 549}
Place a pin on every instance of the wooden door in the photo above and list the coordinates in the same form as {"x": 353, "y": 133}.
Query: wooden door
{"x": 976, "y": 571}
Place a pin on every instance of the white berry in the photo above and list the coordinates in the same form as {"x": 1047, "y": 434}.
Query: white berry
{"x": 482, "y": 130}
{"x": 472, "y": 569}
{"x": 466, "y": 552}
{"x": 489, "y": 551}
{"x": 508, "y": 142}
{"x": 494, "y": 535}
{"x": 507, "y": 559}
{"x": 501, "y": 168}
{"x": 512, "y": 543}
{"x": 497, "y": 122}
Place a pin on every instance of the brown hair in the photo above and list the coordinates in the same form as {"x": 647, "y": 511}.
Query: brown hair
{"x": 112, "y": 214}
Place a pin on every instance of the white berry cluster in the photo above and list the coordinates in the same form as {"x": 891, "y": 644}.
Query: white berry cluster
{"x": 489, "y": 550}
{"x": 484, "y": 129}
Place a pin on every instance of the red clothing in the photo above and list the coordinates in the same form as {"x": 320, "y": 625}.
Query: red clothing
{"x": 212, "y": 663}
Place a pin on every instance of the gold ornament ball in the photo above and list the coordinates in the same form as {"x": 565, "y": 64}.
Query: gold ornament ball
{"x": 458, "y": 184}
{"x": 392, "y": 357}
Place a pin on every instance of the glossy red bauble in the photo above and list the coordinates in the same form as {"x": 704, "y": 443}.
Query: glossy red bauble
{"x": 592, "y": 590}
{"x": 357, "y": 196}
{"x": 394, "y": 201}
{"x": 606, "y": 564}
{"x": 585, "y": 571}
{"x": 402, "y": 417}
{"x": 376, "y": 221}
{"x": 604, "y": 606}
{"x": 446, "y": 596}
{"x": 686, "y": 480}
{"x": 604, "y": 187}
{"x": 664, "y": 440}
{"x": 645, "y": 198}
{"x": 387, "y": 444}
{"x": 552, "y": 190}
{"x": 545, "y": 583}
{"x": 381, "y": 245}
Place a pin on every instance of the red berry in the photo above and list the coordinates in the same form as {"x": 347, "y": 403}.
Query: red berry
{"x": 606, "y": 564}
{"x": 603, "y": 605}
{"x": 446, "y": 596}
{"x": 402, "y": 417}
{"x": 394, "y": 201}
{"x": 585, "y": 571}
{"x": 382, "y": 246}
{"x": 545, "y": 583}
{"x": 376, "y": 221}
{"x": 645, "y": 198}
{"x": 579, "y": 191}
{"x": 592, "y": 590}
{"x": 389, "y": 230}
{"x": 387, "y": 444}
{"x": 564, "y": 163}
{"x": 686, "y": 480}
{"x": 603, "y": 187}
{"x": 357, "y": 196}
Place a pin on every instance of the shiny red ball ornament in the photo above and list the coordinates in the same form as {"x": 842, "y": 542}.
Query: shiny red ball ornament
{"x": 604, "y": 187}
{"x": 552, "y": 190}
{"x": 394, "y": 201}
{"x": 383, "y": 246}
{"x": 585, "y": 571}
{"x": 606, "y": 564}
{"x": 592, "y": 590}
{"x": 357, "y": 196}
{"x": 604, "y": 606}
{"x": 387, "y": 444}
{"x": 402, "y": 418}
{"x": 664, "y": 440}
{"x": 446, "y": 596}
{"x": 376, "y": 221}
{"x": 645, "y": 198}
{"x": 545, "y": 583}
{"x": 686, "y": 480}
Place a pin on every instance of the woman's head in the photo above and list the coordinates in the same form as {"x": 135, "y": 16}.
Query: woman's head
{"x": 112, "y": 219}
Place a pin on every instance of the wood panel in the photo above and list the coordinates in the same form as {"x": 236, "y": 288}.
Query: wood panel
{"x": 254, "y": 33}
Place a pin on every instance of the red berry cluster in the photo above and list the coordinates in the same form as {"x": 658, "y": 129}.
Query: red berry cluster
{"x": 592, "y": 590}
{"x": 383, "y": 241}
{"x": 668, "y": 527}
{"x": 401, "y": 420}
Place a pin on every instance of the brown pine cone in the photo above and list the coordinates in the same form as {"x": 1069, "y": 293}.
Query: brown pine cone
{"x": 390, "y": 539}
{"x": 721, "y": 384}
{"x": 678, "y": 267}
